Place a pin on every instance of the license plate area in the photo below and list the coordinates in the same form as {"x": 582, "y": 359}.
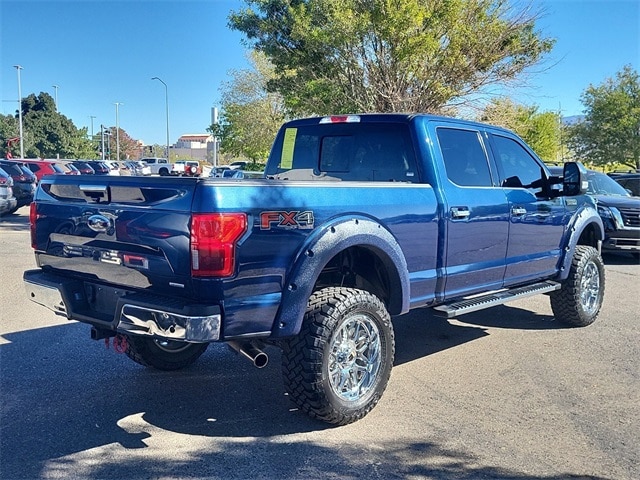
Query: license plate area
{"x": 102, "y": 299}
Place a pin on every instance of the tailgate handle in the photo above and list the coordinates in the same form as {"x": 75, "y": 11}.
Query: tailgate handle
{"x": 94, "y": 191}
{"x": 93, "y": 188}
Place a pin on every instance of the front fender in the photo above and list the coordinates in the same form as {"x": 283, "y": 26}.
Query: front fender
{"x": 324, "y": 244}
{"x": 587, "y": 224}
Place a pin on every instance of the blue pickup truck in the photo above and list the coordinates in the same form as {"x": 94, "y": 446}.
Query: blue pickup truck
{"x": 358, "y": 218}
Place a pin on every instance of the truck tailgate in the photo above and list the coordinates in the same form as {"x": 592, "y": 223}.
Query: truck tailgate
{"x": 122, "y": 230}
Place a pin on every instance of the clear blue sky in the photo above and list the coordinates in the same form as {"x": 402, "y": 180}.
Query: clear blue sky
{"x": 102, "y": 52}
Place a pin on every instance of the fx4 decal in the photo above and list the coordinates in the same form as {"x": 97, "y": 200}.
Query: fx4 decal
{"x": 290, "y": 220}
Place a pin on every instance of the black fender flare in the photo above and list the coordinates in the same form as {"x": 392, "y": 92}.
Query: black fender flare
{"x": 584, "y": 218}
{"x": 324, "y": 244}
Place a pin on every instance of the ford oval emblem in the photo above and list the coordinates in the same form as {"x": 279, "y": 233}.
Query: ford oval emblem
{"x": 99, "y": 223}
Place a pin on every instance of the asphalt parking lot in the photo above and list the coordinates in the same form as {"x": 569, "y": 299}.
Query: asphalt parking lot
{"x": 505, "y": 393}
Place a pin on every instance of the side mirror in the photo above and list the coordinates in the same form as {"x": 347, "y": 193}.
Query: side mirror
{"x": 574, "y": 179}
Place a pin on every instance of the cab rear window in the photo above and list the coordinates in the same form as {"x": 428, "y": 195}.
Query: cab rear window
{"x": 348, "y": 152}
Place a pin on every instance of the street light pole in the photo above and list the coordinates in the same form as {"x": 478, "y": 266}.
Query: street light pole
{"x": 166, "y": 102}
{"x": 18, "y": 68}
{"x": 102, "y": 141}
{"x": 117, "y": 104}
{"x": 56, "y": 96}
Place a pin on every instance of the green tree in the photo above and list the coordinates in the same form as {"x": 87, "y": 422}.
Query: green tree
{"x": 339, "y": 56}
{"x": 8, "y": 129}
{"x": 250, "y": 116}
{"x": 610, "y": 130}
{"x": 49, "y": 134}
{"x": 542, "y": 131}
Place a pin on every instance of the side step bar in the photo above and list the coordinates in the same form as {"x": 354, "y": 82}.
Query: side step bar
{"x": 468, "y": 305}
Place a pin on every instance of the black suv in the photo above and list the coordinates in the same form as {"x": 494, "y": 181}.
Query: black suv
{"x": 100, "y": 168}
{"x": 24, "y": 181}
{"x": 629, "y": 181}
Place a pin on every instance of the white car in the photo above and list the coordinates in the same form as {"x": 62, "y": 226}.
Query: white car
{"x": 114, "y": 168}
{"x": 138, "y": 168}
{"x": 158, "y": 166}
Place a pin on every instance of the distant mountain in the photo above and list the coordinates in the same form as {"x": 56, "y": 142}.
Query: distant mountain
{"x": 572, "y": 120}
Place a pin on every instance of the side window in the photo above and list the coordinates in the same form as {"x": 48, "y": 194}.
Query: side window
{"x": 518, "y": 167}
{"x": 464, "y": 157}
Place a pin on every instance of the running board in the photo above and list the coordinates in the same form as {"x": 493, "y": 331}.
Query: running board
{"x": 468, "y": 305}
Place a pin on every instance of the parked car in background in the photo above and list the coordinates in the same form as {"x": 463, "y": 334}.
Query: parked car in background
{"x": 24, "y": 182}
{"x": 83, "y": 166}
{"x": 239, "y": 165}
{"x": 122, "y": 167}
{"x": 158, "y": 166}
{"x": 8, "y": 201}
{"x": 100, "y": 168}
{"x": 219, "y": 171}
{"x": 40, "y": 168}
{"x": 629, "y": 181}
{"x": 138, "y": 168}
{"x": 618, "y": 209}
{"x": 114, "y": 167}
{"x": 186, "y": 167}
{"x": 72, "y": 168}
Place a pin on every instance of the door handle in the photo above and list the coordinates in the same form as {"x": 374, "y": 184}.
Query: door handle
{"x": 518, "y": 211}
{"x": 460, "y": 212}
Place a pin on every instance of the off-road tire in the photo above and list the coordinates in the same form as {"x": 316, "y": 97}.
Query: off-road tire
{"x": 338, "y": 366}
{"x": 578, "y": 302}
{"x": 163, "y": 354}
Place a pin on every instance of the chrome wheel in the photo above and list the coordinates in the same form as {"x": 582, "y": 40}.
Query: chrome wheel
{"x": 590, "y": 288}
{"x": 579, "y": 300}
{"x": 354, "y": 357}
{"x": 338, "y": 366}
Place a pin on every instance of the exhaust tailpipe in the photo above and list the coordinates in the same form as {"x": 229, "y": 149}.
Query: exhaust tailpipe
{"x": 251, "y": 351}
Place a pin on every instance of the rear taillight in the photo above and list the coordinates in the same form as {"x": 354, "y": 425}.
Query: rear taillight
{"x": 33, "y": 216}
{"x": 213, "y": 243}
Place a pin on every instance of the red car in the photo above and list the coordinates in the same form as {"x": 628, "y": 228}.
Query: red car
{"x": 40, "y": 168}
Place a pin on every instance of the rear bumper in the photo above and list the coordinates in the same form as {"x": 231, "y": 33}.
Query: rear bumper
{"x": 123, "y": 311}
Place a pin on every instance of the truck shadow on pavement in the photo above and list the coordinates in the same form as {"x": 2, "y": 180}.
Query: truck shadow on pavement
{"x": 63, "y": 394}
{"x": 421, "y": 333}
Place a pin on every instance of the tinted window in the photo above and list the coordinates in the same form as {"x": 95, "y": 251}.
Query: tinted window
{"x": 464, "y": 157}
{"x": 352, "y": 152}
{"x": 601, "y": 184}
{"x": 518, "y": 167}
{"x": 11, "y": 168}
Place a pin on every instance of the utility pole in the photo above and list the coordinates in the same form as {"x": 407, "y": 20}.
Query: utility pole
{"x": 56, "y": 96}
{"x": 18, "y": 67}
{"x": 166, "y": 104}
{"x": 117, "y": 104}
{"x": 102, "y": 142}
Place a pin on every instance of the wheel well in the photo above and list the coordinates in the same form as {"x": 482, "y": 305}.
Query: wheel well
{"x": 589, "y": 236}
{"x": 363, "y": 268}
